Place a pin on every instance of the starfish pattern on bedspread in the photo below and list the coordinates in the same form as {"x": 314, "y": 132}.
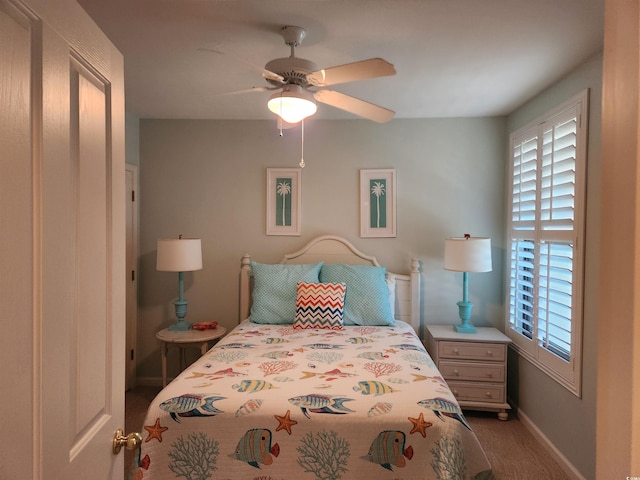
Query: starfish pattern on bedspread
{"x": 155, "y": 431}
{"x": 285, "y": 422}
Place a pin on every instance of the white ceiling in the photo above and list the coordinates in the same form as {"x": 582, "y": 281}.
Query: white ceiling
{"x": 453, "y": 57}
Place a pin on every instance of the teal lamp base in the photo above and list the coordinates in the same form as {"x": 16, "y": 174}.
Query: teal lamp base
{"x": 464, "y": 311}
{"x": 180, "y": 326}
{"x": 181, "y": 311}
{"x": 465, "y": 328}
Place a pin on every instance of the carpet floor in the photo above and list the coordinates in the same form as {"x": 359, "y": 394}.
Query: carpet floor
{"x": 513, "y": 452}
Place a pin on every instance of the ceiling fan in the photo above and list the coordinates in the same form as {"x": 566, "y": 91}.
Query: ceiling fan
{"x": 300, "y": 83}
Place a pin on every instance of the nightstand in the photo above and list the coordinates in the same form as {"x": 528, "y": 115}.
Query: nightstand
{"x": 474, "y": 366}
{"x": 187, "y": 339}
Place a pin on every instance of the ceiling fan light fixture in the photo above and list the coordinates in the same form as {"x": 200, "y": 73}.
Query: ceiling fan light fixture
{"x": 293, "y": 104}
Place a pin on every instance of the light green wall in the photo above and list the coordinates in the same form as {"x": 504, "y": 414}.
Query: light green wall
{"x": 132, "y": 139}
{"x": 207, "y": 179}
{"x": 569, "y": 422}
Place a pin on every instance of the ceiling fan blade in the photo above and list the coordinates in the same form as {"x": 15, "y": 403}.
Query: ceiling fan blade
{"x": 354, "y": 105}
{"x": 363, "y": 70}
{"x": 263, "y": 71}
{"x": 249, "y": 90}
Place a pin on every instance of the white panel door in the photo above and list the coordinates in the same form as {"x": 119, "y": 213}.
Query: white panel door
{"x": 62, "y": 248}
{"x": 16, "y": 247}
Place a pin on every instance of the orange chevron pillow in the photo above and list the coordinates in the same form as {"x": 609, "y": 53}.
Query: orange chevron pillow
{"x": 320, "y": 305}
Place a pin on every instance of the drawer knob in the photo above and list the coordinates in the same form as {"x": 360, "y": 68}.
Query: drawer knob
{"x": 455, "y": 372}
{"x": 489, "y": 353}
{"x": 488, "y": 394}
{"x": 456, "y": 351}
{"x": 455, "y": 393}
{"x": 489, "y": 375}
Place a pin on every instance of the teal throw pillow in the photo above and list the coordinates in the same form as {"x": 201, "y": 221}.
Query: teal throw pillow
{"x": 275, "y": 288}
{"x": 366, "y": 301}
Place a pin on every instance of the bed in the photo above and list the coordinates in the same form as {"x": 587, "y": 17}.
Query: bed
{"x": 325, "y": 377}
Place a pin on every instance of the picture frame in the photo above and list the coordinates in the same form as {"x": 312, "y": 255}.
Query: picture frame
{"x": 378, "y": 202}
{"x": 284, "y": 201}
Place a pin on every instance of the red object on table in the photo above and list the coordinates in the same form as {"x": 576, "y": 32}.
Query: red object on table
{"x": 204, "y": 325}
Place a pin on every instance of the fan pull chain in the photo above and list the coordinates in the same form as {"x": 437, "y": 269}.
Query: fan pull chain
{"x": 302, "y": 153}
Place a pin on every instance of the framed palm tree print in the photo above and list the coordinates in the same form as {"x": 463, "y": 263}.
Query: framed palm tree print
{"x": 283, "y": 201}
{"x": 378, "y": 202}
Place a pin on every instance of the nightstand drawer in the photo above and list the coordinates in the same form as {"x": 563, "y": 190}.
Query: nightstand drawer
{"x": 488, "y": 352}
{"x": 473, "y": 365}
{"x": 478, "y": 392}
{"x": 477, "y": 372}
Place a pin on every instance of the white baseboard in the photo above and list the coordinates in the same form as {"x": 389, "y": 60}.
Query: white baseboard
{"x": 564, "y": 463}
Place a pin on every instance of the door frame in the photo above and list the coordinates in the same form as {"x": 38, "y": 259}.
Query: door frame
{"x": 132, "y": 274}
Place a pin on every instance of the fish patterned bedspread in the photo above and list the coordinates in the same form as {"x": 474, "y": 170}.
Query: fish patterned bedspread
{"x": 273, "y": 402}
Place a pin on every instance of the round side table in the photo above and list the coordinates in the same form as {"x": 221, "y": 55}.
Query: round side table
{"x": 187, "y": 339}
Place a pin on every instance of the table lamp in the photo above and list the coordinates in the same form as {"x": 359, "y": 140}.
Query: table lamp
{"x": 179, "y": 255}
{"x": 467, "y": 254}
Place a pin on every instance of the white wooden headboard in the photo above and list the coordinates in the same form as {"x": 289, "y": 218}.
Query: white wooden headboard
{"x": 334, "y": 249}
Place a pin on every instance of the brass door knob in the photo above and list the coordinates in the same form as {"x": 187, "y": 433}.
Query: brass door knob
{"x": 130, "y": 442}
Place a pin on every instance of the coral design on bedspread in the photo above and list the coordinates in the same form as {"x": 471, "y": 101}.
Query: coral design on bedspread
{"x": 274, "y": 402}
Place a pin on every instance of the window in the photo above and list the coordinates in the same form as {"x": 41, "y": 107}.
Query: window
{"x": 546, "y": 236}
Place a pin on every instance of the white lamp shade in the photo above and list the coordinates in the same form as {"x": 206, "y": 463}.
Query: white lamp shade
{"x": 179, "y": 255}
{"x": 293, "y": 104}
{"x": 471, "y": 254}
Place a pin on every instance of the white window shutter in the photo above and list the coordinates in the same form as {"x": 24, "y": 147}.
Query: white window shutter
{"x": 524, "y": 183}
{"x": 545, "y": 230}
